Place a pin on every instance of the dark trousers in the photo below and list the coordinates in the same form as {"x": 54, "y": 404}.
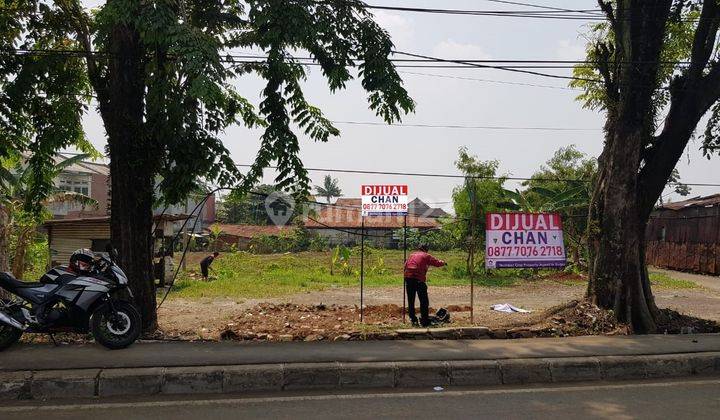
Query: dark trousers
{"x": 204, "y": 270}
{"x": 418, "y": 287}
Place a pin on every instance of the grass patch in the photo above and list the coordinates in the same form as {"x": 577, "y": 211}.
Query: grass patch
{"x": 244, "y": 275}
{"x": 664, "y": 281}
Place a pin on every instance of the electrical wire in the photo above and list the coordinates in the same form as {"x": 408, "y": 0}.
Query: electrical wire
{"x": 502, "y": 82}
{"x": 460, "y": 176}
{"x": 470, "y": 127}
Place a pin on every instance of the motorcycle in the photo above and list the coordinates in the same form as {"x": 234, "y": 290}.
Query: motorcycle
{"x": 97, "y": 301}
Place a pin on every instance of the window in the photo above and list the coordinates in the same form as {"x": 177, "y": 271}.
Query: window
{"x": 77, "y": 184}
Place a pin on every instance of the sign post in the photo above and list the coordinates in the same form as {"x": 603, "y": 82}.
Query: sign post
{"x": 404, "y": 261}
{"x": 524, "y": 240}
{"x": 362, "y": 269}
{"x": 381, "y": 200}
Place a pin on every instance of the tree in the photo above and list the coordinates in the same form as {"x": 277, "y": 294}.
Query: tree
{"x": 42, "y": 99}
{"x": 481, "y": 193}
{"x": 329, "y": 189}
{"x": 161, "y": 73}
{"x": 634, "y": 56}
{"x": 239, "y": 207}
{"x": 22, "y": 205}
{"x": 678, "y": 187}
{"x": 563, "y": 185}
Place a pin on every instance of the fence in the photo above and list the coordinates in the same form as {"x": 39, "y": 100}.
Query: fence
{"x": 685, "y": 240}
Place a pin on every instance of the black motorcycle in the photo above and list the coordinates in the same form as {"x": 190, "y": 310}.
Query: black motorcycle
{"x": 97, "y": 301}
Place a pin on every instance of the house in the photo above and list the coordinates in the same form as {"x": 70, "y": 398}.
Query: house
{"x": 341, "y": 223}
{"x": 67, "y": 235}
{"x": 417, "y": 207}
{"x": 685, "y": 235}
{"x": 93, "y": 180}
{"x": 87, "y": 178}
{"x": 242, "y": 235}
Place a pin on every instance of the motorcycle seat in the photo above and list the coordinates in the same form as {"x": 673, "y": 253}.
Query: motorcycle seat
{"x": 7, "y": 281}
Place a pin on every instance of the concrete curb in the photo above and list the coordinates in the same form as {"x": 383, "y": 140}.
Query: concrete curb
{"x": 88, "y": 383}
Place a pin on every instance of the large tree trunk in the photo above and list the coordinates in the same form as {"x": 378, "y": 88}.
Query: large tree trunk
{"x": 132, "y": 169}
{"x": 618, "y": 211}
{"x": 618, "y": 278}
{"x": 4, "y": 238}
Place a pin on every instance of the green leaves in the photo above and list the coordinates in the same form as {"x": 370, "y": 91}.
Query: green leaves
{"x": 42, "y": 96}
{"x": 337, "y": 33}
{"x": 329, "y": 188}
{"x": 189, "y": 97}
{"x": 711, "y": 136}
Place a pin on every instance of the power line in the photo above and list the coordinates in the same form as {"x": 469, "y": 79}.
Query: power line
{"x": 553, "y": 76}
{"x": 502, "y": 82}
{"x": 538, "y": 6}
{"x": 460, "y": 176}
{"x": 584, "y": 15}
{"x": 470, "y": 127}
{"x": 236, "y": 56}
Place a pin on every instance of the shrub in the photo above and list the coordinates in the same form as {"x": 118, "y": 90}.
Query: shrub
{"x": 436, "y": 239}
{"x": 318, "y": 244}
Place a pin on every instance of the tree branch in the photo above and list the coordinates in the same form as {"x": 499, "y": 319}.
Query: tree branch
{"x": 704, "y": 39}
{"x": 692, "y": 95}
{"x": 80, "y": 23}
{"x": 603, "y": 65}
{"x": 606, "y": 7}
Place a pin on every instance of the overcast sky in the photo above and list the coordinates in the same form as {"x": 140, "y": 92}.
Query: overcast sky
{"x": 448, "y": 101}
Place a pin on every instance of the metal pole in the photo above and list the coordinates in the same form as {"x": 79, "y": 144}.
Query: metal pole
{"x": 362, "y": 268}
{"x": 404, "y": 261}
{"x": 471, "y": 193}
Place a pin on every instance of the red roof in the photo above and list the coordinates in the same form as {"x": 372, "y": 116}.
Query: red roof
{"x": 251, "y": 231}
{"x": 346, "y": 214}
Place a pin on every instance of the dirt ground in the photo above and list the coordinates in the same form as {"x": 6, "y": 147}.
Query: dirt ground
{"x": 206, "y": 318}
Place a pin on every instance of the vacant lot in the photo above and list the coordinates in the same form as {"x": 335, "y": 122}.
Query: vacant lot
{"x": 244, "y": 275}
{"x": 199, "y": 309}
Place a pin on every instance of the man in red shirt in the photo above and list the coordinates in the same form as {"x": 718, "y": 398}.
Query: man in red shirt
{"x": 416, "y": 268}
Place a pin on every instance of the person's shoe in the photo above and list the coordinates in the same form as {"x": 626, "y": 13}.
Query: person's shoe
{"x": 415, "y": 323}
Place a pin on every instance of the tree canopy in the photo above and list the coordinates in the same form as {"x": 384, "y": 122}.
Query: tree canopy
{"x": 329, "y": 188}
{"x": 162, "y": 73}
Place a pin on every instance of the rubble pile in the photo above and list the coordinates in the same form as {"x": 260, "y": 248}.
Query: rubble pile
{"x": 293, "y": 322}
{"x": 579, "y": 317}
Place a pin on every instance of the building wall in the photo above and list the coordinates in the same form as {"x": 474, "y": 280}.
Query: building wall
{"x": 685, "y": 240}
{"x": 98, "y": 192}
{"x": 65, "y": 238}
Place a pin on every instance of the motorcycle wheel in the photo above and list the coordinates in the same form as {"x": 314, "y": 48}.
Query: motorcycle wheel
{"x": 118, "y": 328}
{"x": 8, "y": 336}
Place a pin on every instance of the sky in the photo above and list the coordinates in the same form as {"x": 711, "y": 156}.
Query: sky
{"x": 450, "y": 101}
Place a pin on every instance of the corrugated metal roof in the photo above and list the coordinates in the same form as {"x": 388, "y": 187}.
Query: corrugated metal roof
{"x": 157, "y": 217}
{"x": 707, "y": 201}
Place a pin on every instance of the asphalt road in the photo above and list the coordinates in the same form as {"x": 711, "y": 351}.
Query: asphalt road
{"x": 691, "y": 399}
